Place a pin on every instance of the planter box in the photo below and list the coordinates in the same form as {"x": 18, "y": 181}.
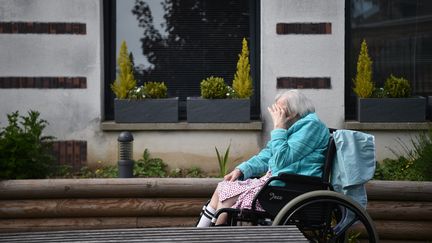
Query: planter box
{"x": 217, "y": 110}
{"x": 429, "y": 108}
{"x": 146, "y": 110}
{"x": 391, "y": 109}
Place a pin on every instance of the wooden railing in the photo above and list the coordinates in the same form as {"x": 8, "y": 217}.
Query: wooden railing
{"x": 401, "y": 210}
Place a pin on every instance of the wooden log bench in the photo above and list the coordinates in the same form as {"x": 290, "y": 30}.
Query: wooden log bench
{"x": 401, "y": 210}
{"x": 183, "y": 234}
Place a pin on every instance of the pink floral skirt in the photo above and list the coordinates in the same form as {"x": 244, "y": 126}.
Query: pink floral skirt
{"x": 246, "y": 190}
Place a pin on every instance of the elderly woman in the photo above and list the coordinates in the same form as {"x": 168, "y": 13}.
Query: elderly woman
{"x": 297, "y": 145}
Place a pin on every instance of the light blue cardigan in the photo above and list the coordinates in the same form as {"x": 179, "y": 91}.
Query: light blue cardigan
{"x": 298, "y": 150}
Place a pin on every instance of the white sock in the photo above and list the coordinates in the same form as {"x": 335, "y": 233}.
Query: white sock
{"x": 206, "y": 218}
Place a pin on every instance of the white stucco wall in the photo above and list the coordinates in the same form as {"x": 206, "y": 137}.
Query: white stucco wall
{"x": 72, "y": 113}
{"x": 304, "y": 55}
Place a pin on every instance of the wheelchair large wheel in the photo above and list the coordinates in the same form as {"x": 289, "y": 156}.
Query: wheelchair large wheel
{"x": 328, "y": 216}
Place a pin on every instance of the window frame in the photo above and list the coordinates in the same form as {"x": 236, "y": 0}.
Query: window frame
{"x": 350, "y": 98}
{"x": 109, "y": 28}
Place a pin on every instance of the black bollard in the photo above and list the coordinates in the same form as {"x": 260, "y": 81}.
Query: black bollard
{"x": 125, "y": 151}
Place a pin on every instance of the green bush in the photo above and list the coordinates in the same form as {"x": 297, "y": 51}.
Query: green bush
{"x": 396, "y": 169}
{"x": 415, "y": 163}
{"x": 149, "y": 167}
{"x": 421, "y": 155}
{"x": 214, "y": 88}
{"x": 397, "y": 87}
{"x": 155, "y": 90}
{"x": 150, "y": 90}
{"x": 194, "y": 172}
{"x": 24, "y": 152}
{"x": 62, "y": 171}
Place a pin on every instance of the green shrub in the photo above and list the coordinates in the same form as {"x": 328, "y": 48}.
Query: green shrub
{"x": 110, "y": 171}
{"x": 396, "y": 169}
{"x": 214, "y": 88}
{"x": 242, "y": 83}
{"x": 363, "y": 84}
{"x": 177, "y": 172}
{"x": 149, "y": 167}
{"x": 194, "y": 172}
{"x": 421, "y": 155}
{"x": 150, "y": 90}
{"x": 62, "y": 171}
{"x": 85, "y": 172}
{"x": 397, "y": 87}
{"x": 414, "y": 163}
{"x": 24, "y": 152}
{"x": 155, "y": 90}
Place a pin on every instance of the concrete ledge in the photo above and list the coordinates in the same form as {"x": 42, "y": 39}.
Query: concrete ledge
{"x": 249, "y": 126}
{"x": 386, "y": 126}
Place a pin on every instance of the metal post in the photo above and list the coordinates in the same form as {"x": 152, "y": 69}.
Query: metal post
{"x": 125, "y": 151}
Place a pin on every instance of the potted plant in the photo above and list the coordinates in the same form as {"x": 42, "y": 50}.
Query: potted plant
{"x": 147, "y": 103}
{"x": 220, "y": 102}
{"x": 392, "y": 103}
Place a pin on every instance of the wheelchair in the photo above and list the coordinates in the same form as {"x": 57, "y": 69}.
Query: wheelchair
{"x": 310, "y": 203}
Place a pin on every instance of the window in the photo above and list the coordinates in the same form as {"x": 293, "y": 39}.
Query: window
{"x": 181, "y": 42}
{"x": 399, "y": 37}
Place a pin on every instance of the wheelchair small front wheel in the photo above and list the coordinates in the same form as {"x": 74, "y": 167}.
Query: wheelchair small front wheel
{"x": 327, "y": 216}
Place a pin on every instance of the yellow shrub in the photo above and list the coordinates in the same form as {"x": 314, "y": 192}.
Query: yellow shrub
{"x": 363, "y": 84}
{"x": 125, "y": 80}
{"x": 242, "y": 83}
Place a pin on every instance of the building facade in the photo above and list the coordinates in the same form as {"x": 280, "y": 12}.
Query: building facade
{"x": 58, "y": 57}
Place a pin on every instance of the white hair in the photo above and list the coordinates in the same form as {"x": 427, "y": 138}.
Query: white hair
{"x": 296, "y": 102}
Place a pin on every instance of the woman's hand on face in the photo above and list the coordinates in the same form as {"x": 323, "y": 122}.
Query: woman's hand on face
{"x": 279, "y": 116}
{"x": 233, "y": 175}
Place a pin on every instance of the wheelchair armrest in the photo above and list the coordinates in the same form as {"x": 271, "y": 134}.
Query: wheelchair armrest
{"x": 297, "y": 179}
